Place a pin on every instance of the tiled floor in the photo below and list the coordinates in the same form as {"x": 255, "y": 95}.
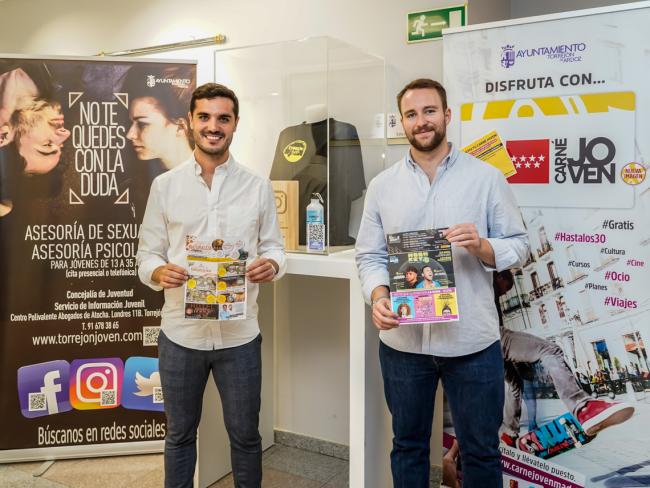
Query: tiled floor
{"x": 284, "y": 467}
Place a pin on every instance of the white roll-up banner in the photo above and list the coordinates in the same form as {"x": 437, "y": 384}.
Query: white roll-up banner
{"x": 569, "y": 96}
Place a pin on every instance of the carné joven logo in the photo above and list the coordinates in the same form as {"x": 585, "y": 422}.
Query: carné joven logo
{"x": 593, "y": 162}
{"x": 581, "y": 161}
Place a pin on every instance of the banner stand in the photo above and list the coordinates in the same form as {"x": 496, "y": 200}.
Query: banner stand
{"x": 576, "y": 317}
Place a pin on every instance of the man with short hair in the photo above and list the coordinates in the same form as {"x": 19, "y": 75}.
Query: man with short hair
{"x": 472, "y": 201}
{"x": 427, "y": 279}
{"x": 410, "y": 277}
{"x": 210, "y": 196}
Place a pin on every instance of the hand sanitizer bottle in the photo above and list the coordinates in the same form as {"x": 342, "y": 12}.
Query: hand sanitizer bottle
{"x": 316, "y": 224}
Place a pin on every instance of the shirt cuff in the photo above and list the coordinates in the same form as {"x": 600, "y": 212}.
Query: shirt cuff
{"x": 373, "y": 281}
{"x": 280, "y": 258}
{"x": 145, "y": 270}
{"x": 504, "y": 256}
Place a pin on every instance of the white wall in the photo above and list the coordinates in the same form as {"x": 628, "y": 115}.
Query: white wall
{"x": 86, "y": 28}
{"x": 69, "y": 27}
{"x": 72, "y": 27}
{"x": 377, "y": 26}
{"x": 528, "y": 8}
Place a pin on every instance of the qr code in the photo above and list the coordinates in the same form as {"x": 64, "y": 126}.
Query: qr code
{"x": 316, "y": 236}
{"x": 150, "y": 336}
{"x": 157, "y": 394}
{"x": 37, "y": 402}
{"x": 108, "y": 398}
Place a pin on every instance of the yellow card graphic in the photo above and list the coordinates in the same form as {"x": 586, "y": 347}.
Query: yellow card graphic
{"x": 490, "y": 149}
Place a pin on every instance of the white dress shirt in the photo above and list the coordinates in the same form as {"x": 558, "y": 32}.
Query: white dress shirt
{"x": 465, "y": 189}
{"x": 239, "y": 204}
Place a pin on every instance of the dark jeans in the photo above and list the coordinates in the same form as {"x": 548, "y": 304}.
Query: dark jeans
{"x": 237, "y": 372}
{"x": 473, "y": 385}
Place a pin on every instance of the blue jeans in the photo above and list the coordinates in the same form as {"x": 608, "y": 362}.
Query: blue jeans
{"x": 474, "y": 388}
{"x": 237, "y": 372}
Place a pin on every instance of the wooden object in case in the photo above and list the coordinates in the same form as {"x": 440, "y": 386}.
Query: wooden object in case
{"x": 286, "y": 204}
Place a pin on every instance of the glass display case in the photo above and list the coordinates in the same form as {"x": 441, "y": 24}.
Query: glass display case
{"x": 311, "y": 119}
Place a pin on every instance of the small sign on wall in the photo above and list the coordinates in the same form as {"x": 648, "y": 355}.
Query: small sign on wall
{"x": 394, "y": 127}
{"x": 286, "y": 204}
{"x": 428, "y": 24}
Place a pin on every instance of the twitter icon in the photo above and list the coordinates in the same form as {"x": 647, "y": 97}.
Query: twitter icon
{"x": 141, "y": 389}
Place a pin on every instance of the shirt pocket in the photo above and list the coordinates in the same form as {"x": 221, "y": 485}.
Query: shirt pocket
{"x": 243, "y": 224}
{"x": 456, "y": 212}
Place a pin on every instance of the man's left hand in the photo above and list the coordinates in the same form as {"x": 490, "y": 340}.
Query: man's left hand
{"x": 466, "y": 235}
{"x": 261, "y": 270}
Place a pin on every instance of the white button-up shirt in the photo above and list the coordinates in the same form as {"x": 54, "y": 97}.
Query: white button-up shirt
{"x": 239, "y": 204}
{"x": 465, "y": 189}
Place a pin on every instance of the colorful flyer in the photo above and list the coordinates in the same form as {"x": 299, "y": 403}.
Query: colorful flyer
{"x": 422, "y": 286}
{"x": 216, "y": 286}
{"x": 490, "y": 149}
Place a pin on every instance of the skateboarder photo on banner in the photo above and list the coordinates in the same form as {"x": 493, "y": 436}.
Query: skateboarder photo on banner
{"x": 520, "y": 352}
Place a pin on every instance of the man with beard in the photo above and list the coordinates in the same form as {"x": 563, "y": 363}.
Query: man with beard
{"x": 471, "y": 200}
{"x": 210, "y": 196}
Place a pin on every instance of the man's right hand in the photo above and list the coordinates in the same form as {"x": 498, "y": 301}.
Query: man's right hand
{"x": 169, "y": 275}
{"x": 382, "y": 316}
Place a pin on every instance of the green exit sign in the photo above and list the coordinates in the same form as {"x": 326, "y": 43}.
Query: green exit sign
{"x": 428, "y": 24}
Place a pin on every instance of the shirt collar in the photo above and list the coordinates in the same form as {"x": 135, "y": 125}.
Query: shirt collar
{"x": 227, "y": 166}
{"x": 447, "y": 162}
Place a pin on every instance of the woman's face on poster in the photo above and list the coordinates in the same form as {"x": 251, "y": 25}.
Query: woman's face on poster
{"x": 40, "y": 146}
{"x": 151, "y": 132}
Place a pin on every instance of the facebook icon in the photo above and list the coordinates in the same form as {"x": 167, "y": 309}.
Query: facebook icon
{"x": 43, "y": 389}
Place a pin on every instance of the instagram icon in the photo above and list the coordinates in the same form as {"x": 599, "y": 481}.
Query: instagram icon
{"x": 96, "y": 383}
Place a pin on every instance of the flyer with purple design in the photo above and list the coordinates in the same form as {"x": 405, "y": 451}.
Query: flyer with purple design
{"x": 421, "y": 269}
